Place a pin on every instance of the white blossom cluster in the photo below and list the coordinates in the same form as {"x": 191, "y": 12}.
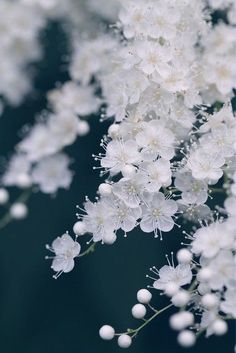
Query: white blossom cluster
{"x": 19, "y": 47}
{"x": 39, "y": 158}
{"x": 167, "y": 77}
{"x": 165, "y": 74}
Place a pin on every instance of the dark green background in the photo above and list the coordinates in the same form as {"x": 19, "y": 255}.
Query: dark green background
{"x": 41, "y": 315}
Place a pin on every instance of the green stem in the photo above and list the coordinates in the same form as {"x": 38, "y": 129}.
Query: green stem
{"x": 134, "y": 332}
{"x": 89, "y": 250}
{"x": 6, "y": 219}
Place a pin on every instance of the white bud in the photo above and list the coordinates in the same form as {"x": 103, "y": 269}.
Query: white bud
{"x": 113, "y": 130}
{"x": 128, "y": 171}
{"x": 219, "y": 327}
{"x": 186, "y": 338}
{"x": 204, "y": 274}
{"x": 181, "y": 298}
{"x": 209, "y": 300}
{"x": 124, "y": 341}
{"x": 181, "y": 320}
{"x": 18, "y": 210}
{"x": 144, "y": 296}
{"x": 79, "y": 228}
{"x": 107, "y": 332}
{"x": 105, "y": 189}
{"x": 24, "y": 181}
{"x": 184, "y": 256}
{"x": 171, "y": 289}
{"x": 82, "y": 128}
{"x": 4, "y": 196}
{"x": 109, "y": 238}
{"x": 139, "y": 311}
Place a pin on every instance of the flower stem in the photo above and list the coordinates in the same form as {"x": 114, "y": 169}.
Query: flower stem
{"x": 6, "y": 219}
{"x": 89, "y": 250}
{"x": 134, "y": 332}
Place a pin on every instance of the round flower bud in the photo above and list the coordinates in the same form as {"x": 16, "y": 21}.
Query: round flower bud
{"x": 219, "y": 327}
{"x": 24, "y": 181}
{"x": 4, "y": 196}
{"x": 105, "y": 189}
{"x": 186, "y": 338}
{"x": 18, "y": 210}
{"x": 139, "y": 311}
{"x": 181, "y": 320}
{"x": 171, "y": 289}
{"x": 209, "y": 300}
{"x": 181, "y": 298}
{"x": 113, "y": 130}
{"x": 124, "y": 341}
{"x": 144, "y": 296}
{"x": 109, "y": 238}
{"x": 79, "y": 228}
{"x": 184, "y": 256}
{"x": 204, "y": 274}
{"x": 82, "y": 128}
{"x": 107, "y": 332}
{"x": 128, "y": 171}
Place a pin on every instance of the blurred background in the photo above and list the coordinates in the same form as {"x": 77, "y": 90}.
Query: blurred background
{"x": 41, "y": 315}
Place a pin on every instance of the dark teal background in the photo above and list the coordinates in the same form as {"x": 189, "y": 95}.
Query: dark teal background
{"x": 41, "y": 315}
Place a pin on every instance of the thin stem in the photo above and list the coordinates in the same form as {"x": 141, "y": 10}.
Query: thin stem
{"x": 6, "y": 219}
{"x": 89, "y": 250}
{"x": 134, "y": 332}
{"x": 217, "y": 190}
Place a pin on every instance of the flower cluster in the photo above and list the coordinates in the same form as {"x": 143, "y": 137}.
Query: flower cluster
{"x": 39, "y": 159}
{"x": 167, "y": 77}
{"x": 165, "y": 74}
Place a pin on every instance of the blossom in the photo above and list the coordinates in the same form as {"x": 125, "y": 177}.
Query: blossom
{"x": 98, "y": 220}
{"x": 130, "y": 190}
{"x": 119, "y": 154}
{"x": 193, "y": 191}
{"x": 222, "y": 269}
{"x": 52, "y": 173}
{"x": 229, "y": 304}
{"x": 157, "y": 213}
{"x": 205, "y": 164}
{"x": 65, "y": 249}
{"x": 74, "y": 98}
{"x": 158, "y": 174}
{"x": 39, "y": 143}
{"x": 208, "y": 241}
{"x": 156, "y": 140}
{"x": 179, "y": 275}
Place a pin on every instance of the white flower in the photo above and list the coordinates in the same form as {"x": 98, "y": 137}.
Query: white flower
{"x": 206, "y": 164}
{"x": 63, "y": 127}
{"x": 193, "y": 191}
{"x": 154, "y": 58}
{"x": 99, "y": 220}
{"x": 65, "y": 249}
{"x": 179, "y": 275}
{"x": 80, "y": 100}
{"x": 18, "y": 167}
{"x": 156, "y": 140}
{"x": 222, "y": 269}
{"x": 125, "y": 217}
{"x": 120, "y": 154}
{"x": 157, "y": 213}
{"x": 158, "y": 174}
{"x": 130, "y": 190}
{"x": 39, "y": 143}
{"x": 208, "y": 241}
{"x": 228, "y": 306}
{"x": 52, "y": 173}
